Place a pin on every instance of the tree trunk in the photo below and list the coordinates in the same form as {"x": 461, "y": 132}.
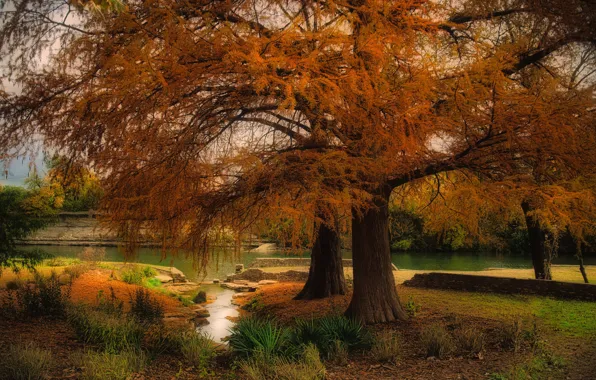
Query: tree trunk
{"x": 375, "y": 298}
{"x": 326, "y": 274}
{"x": 536, "y": 235}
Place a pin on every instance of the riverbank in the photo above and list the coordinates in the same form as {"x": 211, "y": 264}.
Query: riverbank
{"x": 520, "y": 336}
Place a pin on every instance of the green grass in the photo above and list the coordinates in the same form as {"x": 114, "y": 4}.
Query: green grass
{"x": 26, "y": 362}
{"x": 110, "y": 366}
{"x": 572, "y": 318}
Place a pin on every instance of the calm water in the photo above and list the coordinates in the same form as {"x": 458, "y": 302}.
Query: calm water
{"x": 222, "y": 263}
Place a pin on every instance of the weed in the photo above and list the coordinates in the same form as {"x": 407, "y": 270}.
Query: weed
{"x": 111, "y": 305}
{"x": 132, "y": 276}
{"x": 25, "y": 361}
{"x": 386, "y": 347}
{"x": 411, "y": 307}
{"x": 512, "y": 335}
{"x": 113, "y": 333}
{"x": 44, "y": 297}
{"x": 437, "y": 342}
{"x": 144, "y": 307}
{"x": 198, "y": 349}
{"x": 149, "y": 272}
{"x": 255, "y": 304}
{"x": 338, "y": 353}
{"x": 75, "y": 271}
{"x": 470, "y": 340}
{"x": 307, "y": 367}
{"x": 110, "y": 366}
{"x": 152, "y": 283}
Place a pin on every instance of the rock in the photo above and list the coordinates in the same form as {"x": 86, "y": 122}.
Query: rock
{"x": 239, "y": 268}
{"x": 198, "y": 321}
{"x": 251, "y": 287}
{"x": 265, "y": 248}
{"x": 211, "y": 297}
{"x": 201, "y": 297}
{"x": 267, "y": 282}
{"x": 241, "y": 282}
{"x": 202, "y": 313}
{"x": 241, "y": 295}
{"x": 164, "y": 279}
{"x": 216, "y": 281}
{"x": 229, "y": 277}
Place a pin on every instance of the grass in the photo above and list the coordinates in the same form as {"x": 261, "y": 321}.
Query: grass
{"x": 111, "y": 332}
{"x": 386, "y": 348}
{"x": 437, "y": 342}
{"x": 198, "y": 350}
{"x": 144, "y": 308}
{"x": 307, "y": 366}
{"x": 26, "y": 362}
{"x": 110, "y": 366}
{"x": 251, "y": 335}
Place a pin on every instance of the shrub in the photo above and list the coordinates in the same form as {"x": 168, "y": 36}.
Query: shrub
{"x": 113, "y": 333}
{"x": 307, "y": 367}
{"x": 250, "y": 335}
{"x": 411, "y": 307}
{"x": 13, "y": 285}
{"x": 255, "y": 304}
{"x": 198, "y": 349}
{"x": 45, "y": 297}
{"x": 152, "y": 283}
{"x": 338, "y": 353}
{"x": 132, "y": 276}
{"x": 470, "y": 340}
{"x": 512, "y": 336}
{"x": 25, "y": 361}
{"x": 144, "y": 307}
{"x": 75, "y": 271}
{"x": 149, "y": 272}
{"x": 349, "y": 331}
{"x": 111, "y": 305}
{"x": 386, "y": 347}
{"x": 437, "y": 342}
{"x": 110, "y": 366}
{"x": 201, "y": 297}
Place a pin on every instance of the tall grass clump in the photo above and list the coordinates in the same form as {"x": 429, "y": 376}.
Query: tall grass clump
{"x": 307, "y": 366}
{"x": 111, "y": 332}
{"x": 386, "y": 348}
{"x": 470, "y": 340}
{"x": 197, "y": 349}
{"x": 111, "y": 366}
{"x": 144, "y": 307}
{"x": 44, "y": 297}
{"x": 266, "y": 336}
{"x": 437, "y": 342}
{"x": 26, "y": 362}
{"x": 132, "y": 276}
{"x": 149, "y": 272}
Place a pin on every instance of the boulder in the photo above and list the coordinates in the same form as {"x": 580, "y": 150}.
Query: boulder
{"x": 164, "y": 279}
{"x": 239, "y": 268}
{"x": 267, "y": 282}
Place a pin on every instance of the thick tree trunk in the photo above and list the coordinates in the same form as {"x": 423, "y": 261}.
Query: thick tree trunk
{"x": 536, "y": 235}
{"x": 326, "y": 274}
{"x": 375, "y": 298}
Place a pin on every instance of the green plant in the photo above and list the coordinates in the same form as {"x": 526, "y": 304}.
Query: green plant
{"x": 307, "y": 366}
{"x": 25, "y": 361}
{"x": 386, "y": 347}
{"x": 45, "y": 297}
{"x": 437, "y": 342}
{"x": 75, "y": 271}
{"x": 255, "y": 304}
{"x": 198, "y": 349}
{"x": 111, "y": 305}
{"x": 152, "y": 283}
{"x": 411, "y": 307}
{"x": 338, "y": 353}
{"x": 110, "y": 366}
{"x": 132, "y": 276}
{"x": 349, "y": 331}
{"x": 149, "y": 272}
{"x": 251, "y": 334}
{"x": 144, "y": 307}
{"x": 113, "y": 333}
{"x": 201, "y": 297}
{"x": 470, "y": 340}
{"x": 512, "y": 335}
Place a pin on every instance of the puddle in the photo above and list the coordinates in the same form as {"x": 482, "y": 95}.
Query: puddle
{"x": 219, "y": 326}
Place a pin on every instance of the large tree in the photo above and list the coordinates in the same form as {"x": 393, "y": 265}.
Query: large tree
{"x": 199, "y": 114}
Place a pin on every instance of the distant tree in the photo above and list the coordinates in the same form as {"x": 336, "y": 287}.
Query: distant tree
{"x": 21, "y": 214}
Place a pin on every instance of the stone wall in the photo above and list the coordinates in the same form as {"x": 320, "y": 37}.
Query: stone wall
{"x": 256, "y": 275}
{"x": 266, "y": 262}
{"x": 557, "y": 289}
